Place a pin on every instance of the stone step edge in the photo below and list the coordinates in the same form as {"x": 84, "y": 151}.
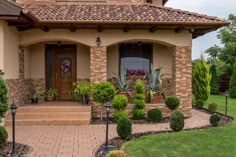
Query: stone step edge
{"x": 48, "y": 120}
{"x": 81, "y": 112}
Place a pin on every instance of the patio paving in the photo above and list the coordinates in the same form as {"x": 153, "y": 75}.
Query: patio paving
{"x": 82, "y": 140}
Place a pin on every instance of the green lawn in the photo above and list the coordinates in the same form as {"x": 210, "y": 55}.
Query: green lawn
{"x": 213, "y": 142}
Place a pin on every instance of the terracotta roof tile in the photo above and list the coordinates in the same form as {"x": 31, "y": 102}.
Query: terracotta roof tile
{"x": 146, "y": 13}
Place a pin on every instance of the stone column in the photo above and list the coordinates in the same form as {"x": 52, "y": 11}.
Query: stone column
{"x": 182, "y": 78}
{"x": 98, "y": 64}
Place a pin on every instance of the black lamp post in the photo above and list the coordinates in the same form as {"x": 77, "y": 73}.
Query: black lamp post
{"x": 107, "y": 147}
{"x": 226, "y": 101}
{"x": 13, "y": 113}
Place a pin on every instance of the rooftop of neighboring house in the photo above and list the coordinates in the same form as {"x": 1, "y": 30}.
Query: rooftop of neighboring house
{"x": 128, "y": 14}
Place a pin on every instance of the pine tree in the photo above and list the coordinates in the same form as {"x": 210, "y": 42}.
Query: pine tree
{"x": 214, "y": 81}
{"x": 3, "y": 97}
{"x": 201, "y": 80}
{"x": 232, "y": 85}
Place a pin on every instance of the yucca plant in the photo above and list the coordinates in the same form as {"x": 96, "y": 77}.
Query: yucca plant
{"x": 122, "y": 82}
{"x": 153, "y": 81}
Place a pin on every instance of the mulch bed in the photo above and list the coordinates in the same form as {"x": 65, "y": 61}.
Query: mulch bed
{"x": 117, "y": 141}
{"x": 22, "y": 150}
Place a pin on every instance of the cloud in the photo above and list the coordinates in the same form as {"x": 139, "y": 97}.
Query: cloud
{"x": 219, "y": 8}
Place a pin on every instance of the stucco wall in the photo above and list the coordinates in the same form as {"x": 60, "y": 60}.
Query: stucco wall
{"x": 83, "y": 62}
{"x": 36, "y": 61}
{"x": 1, "y": 45}
{"x": 162, "y": 57}
{"x": 112, "y": 60}
{"x": 108, "y": 37}
{"x": 11, "y": 52}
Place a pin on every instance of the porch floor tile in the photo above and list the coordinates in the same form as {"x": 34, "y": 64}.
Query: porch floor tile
{"x": 81, "y": 140}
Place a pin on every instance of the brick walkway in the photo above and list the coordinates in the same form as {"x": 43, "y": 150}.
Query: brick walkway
{"x": 80, "y": 141}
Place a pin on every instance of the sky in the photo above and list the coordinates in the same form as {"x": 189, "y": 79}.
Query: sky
{"x": 219, "y": 8}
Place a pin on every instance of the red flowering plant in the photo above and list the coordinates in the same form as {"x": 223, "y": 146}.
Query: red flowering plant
{"x": 130, "y": 72}
{"x": 141, "y": 72}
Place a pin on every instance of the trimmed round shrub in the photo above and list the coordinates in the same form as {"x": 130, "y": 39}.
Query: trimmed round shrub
{"x": 215, "y": 120}
{"x": 139, "y": 104}
{"x": 124, "y": 128}
{"x": 154, "y": 115}
{"x": 212, "y": 107}
{"x": 172, "y": 102}
{"x": 103, "y": 92}
{"x": 3, "y": 135}
{"x": 138, "y": 113}
{"x": 119, "y": 115}
{"x": 139, "y": 96}
{"x": 199, "y": 103}
{"x": 3, "y": 97}
{"x": 139, "y": 87}
{"x": 176, "y": 121}
{"x": 116, "y": 153}
{"x": 119, "y": 102}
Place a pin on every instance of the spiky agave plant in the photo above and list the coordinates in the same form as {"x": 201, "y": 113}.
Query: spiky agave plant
{"x": 153, "y": 81}
{"x": 122, "y": 82}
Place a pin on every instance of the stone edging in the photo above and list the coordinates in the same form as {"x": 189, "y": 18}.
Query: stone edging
{"x": 141, "y": 134}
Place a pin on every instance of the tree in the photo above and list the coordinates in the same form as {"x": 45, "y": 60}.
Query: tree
{"x": 103, "y": 92}
{"x": 201, "y": 80}
{"x": 232, "y": 86}
{"x": 214, "y": 80}
{"x": 3, "y": 98}
{"x": 227, "y": 36}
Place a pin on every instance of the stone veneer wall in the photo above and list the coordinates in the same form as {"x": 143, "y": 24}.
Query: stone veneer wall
{"x": 96, "y": 109}
{"x": 19, "y": 90}
{"x": 182, "y": 78}
{"x": 98, "y": 64}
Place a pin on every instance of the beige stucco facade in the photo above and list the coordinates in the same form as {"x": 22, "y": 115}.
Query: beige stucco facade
{"x": 9, "y": 43}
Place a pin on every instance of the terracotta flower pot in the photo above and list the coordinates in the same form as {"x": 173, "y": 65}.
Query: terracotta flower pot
{"x": 127, "y": 95}
{"x": 155, "y": 99}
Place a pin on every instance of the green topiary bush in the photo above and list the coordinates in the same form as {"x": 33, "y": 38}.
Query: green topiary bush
{"x": 116, "y": 153}
{"x": 120, "y": 102}
{"x": 3, "y": 135}
{"x": 176, "y": 121}
{"x": 214, "y": 82}
{"x": 138, "y": 113}
{"x": 139, "y": 103}
{"x": 215, "y": 120}
{"x": 201, "y": 79}
{"x": 172, "y": 102}
{"x": 154, "y": 115}
{"x": 3, "y": 97}
{"x": 139, "y": 87}
{"x": 103, "y": 92}
{"x": 119, "y": 115}
{"x": 212, "y": 107}
{"x": 199, "y": 103}
{"x": 232, "y": 85}
{"x": 124, "y": 128}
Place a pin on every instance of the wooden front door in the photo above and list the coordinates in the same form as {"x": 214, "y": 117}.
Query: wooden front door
{"x": 63, "y": 69}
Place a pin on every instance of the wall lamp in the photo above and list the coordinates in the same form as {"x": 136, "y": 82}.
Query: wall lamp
{"x": 98, "y": 41}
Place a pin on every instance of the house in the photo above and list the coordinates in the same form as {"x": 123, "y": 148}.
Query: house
{"x": 52, "y": 43}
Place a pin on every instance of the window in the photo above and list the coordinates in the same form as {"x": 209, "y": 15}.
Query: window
{"x": 135, "y": 57}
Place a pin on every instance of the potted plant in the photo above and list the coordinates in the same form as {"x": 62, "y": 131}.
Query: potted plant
{"x": 154, "y": 85}
{"x": 84, "y": 88}
{"x": 50, "y": 94}
{"x": 123, "y": 84}
{"x": 34, "y": 96}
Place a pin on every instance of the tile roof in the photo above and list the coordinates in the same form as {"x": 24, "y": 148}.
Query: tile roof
{"x": 114, "y": 13}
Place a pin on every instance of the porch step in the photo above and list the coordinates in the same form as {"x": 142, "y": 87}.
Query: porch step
{"x": 52, "y": 115}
